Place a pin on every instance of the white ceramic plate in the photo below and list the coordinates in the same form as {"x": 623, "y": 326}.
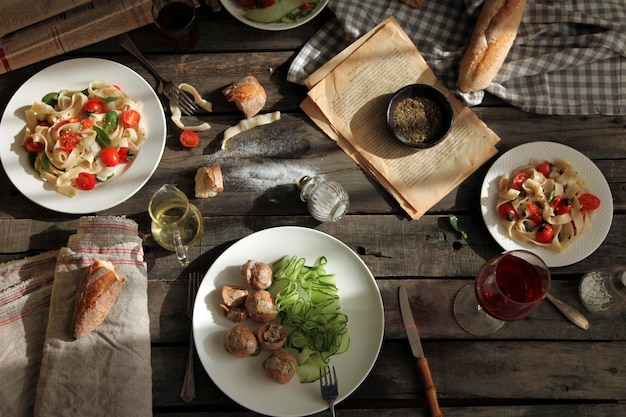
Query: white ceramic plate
{"x": 243, "y": 379}
{"x": 523, "y": 154}
{"x": 238, "y": 12}
{"x": 76, "y": 74}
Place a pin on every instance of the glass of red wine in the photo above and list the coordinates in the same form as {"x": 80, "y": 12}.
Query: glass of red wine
{"x": 507, "y": 287}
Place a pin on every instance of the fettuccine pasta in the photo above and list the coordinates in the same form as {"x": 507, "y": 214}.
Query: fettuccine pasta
{"x": 67, "y": 134}
{"x": 546, "y": 204}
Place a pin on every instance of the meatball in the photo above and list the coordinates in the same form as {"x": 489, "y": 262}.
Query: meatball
{"x": 233, "y": 296}
{"x": 258, "y": 275}
{"x": 241, "y": 342}
{"x": 261, "y": 307}
{"x": 234, "y": 314}
{"x": 281, "y": 366}
{"x": 272, "y": 336}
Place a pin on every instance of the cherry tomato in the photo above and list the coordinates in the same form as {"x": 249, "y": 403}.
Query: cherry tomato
{"x": 110, "y": 156}
{"x": 246, "y": 4}
{"x": 87, "y": 123}
{"x": 518, "y": 180}
{"x": 32, "y": 146}
{"x": 545, "y": 233}
{"x": 85, "y": 181}
{"x": 536, "y": 215}
{"x": 68, "y": 141}
{"x": 564, "y": 206}
{"x": 44, "y": 123}
{"x": 507, "y": 212}
{"x": 189, "y": 138}
{"x": 125, "y": 154}
{"x": 93, "y": 106}
{"x": 306, "y": 6}
{"x": 589, "y": 201}
{"x": 66, "y": 121}
{"x": 130, "y": 118}
{"x": 265, "y": 3}
{"x": 545, "y": 168}
{"x": 556, "y": 200}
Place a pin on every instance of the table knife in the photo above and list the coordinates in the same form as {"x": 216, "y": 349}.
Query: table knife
{"x": 418, "y": 352}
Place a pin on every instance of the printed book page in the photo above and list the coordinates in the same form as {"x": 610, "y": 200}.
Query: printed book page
{"x": 348, "y": 102}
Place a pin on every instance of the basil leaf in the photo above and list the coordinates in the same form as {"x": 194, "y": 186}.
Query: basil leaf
{"x": 101, "y": 137}
{"x": 454, "y": 222}
{"x": 110, "y": 121}
{"x": 51, "y": 99}
{"x": 108, "y": 99}
{"x": 45, "y": 162}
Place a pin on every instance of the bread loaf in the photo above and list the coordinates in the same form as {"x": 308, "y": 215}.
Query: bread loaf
{"x": 490, "y": 43}
{"x": 97, "y": 292}
{"x": 248, "y": 94}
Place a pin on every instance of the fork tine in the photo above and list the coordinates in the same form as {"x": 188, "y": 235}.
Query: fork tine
{"x": 186, "y": 103}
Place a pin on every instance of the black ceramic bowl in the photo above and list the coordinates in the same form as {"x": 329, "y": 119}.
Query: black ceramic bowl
{"x": 419, "y": 115}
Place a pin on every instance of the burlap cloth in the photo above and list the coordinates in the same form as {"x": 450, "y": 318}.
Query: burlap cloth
{"x": 108, "y": 372}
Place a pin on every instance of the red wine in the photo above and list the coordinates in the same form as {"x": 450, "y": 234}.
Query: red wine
{"x": 175, "y": 16}
{"x": 510, "y": 288}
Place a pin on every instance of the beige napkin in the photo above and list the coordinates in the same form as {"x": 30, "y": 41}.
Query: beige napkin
{"x": 108, "y": 372}
{"x": 25, "y": 287}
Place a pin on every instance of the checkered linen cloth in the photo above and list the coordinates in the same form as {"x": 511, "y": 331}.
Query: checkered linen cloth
{"x": 569, "y": 56}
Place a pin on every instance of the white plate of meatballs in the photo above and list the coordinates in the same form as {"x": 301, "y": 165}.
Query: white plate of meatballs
{"x": 242, "y": 376}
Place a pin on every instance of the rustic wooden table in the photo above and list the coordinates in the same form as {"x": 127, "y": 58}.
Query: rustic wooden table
{"x": 541, "y": 366}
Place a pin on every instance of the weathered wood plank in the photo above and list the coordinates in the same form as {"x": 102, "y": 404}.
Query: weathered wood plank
{"x": 431, "y": 301}
{"x": 402, "y": 410}
{"x": 391, "y": 246}
{"x": 474, "y": 371}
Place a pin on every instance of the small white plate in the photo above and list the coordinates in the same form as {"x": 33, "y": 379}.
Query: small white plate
{"x": 601, "y": 218}
{"x": 239, "y": 12}
{"x": 76, "y": 74}
{"x": 243, "y": 379}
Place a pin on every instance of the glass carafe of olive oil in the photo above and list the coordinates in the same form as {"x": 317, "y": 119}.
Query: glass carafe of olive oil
{"x": 176, "y": 223}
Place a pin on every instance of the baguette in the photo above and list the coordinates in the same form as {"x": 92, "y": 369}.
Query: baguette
{"x": 96, "y": 294}
{"x": 490, "y": 43}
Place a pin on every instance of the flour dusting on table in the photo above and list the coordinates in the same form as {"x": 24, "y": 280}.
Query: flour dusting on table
{"x": 256, "y": 176}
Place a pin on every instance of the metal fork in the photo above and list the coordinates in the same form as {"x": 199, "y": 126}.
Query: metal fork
{"x": 170, "y": 89}
{"x": 329, "y": 388}
{"x": 188, "y": 391}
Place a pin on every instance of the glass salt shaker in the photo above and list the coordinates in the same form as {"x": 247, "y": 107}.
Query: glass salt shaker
{"x": 327, "y": 200}
{"x": 604, "y": 291}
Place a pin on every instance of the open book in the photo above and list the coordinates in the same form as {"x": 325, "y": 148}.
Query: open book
{"x": 348, "y": 97}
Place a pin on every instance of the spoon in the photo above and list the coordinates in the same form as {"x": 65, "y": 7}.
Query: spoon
{"x": 571, "y": 313}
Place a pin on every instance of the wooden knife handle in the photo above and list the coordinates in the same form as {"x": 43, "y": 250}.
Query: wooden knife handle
{"x": 429, "y": 387}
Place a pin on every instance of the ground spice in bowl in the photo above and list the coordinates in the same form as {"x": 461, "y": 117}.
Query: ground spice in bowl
{"x": 419, "y": 115}
{"x": 418, "y": 119}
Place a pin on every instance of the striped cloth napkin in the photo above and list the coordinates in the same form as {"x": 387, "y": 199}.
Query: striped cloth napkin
{"x": 45, "y": 372}
{"x": 569, "y": 56}
{"x": 25, "y": 287}
{"x": 108, "y": 372}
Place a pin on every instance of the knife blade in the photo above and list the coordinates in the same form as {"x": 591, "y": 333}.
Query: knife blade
{"x": 416, "y": 347}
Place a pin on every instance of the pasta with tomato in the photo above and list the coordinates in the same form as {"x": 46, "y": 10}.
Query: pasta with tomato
{"x": 77, "y": 138}
{"x": 545, "y": 203}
